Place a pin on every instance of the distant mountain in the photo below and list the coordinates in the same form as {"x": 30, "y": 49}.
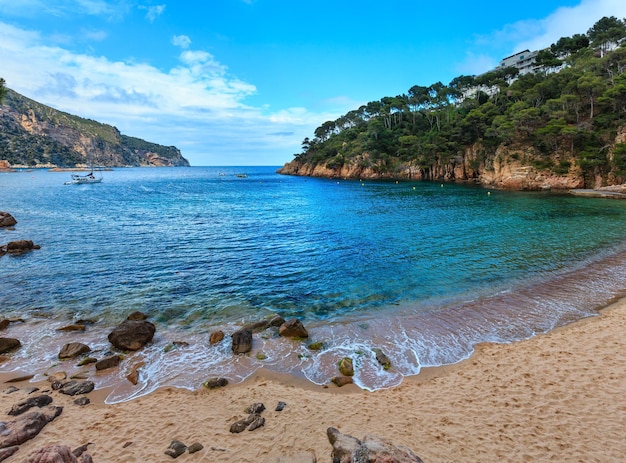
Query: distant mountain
{"x": 35, "y": 135}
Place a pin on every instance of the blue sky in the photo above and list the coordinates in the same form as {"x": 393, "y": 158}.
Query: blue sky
{"x": 243, "y": 82}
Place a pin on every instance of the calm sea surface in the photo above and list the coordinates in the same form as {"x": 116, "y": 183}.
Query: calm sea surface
{"x": 423, "y": 271}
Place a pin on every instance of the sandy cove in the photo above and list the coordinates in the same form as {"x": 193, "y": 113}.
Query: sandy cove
{"x": 556, "y": 397}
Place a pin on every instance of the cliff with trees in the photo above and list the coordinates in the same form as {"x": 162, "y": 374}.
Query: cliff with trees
{"x": 562, "y": 126}
{"x": 36, "y": 135}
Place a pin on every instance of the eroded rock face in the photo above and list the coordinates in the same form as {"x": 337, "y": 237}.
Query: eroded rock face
{"x": 132, "y": 334}
{"x": 59, "y": 454}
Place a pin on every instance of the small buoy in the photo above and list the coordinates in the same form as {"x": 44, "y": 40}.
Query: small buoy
{"x": 489, "y": 193}
{"x": 442, "y": 185}
{"x": 396, "y": 182}
{"x": 414, "y": 188}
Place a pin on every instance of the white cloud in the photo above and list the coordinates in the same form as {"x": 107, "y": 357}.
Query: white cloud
{"x": 153, "y": 12}
{"x": 181, "y": 41}
{"x": 564, "y": 22}
{"x": 475, "y": 64}
{"x": 196, "y": 105}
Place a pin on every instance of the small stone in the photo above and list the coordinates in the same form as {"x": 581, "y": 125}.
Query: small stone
{"x": 74, "y": 388}
{"x": 382, "y": 359}
{"x": 176, "y": 449}
{"x": 280, "y": 406}
{"x": 316, "y": 346}
{"x": 108, "y": 362}
{"x": 73, "y": 349}
{"x": 137, "y": 316}
{"x": 341, "y": 381}
{"x": 74, "y": 327}
{"x": 195, "y": 447}
{"x": 256, "y": 423}
{"x": 4, "y": 324}
{"x": 82, "y": 401}
{"x": 293, "y": 329}
{"x": 57, "y": 376}
{"x": 257, "y": 407}
{"x": 346, "y": 366}
{"x": 242, "y": 341}
{"x": 10, "y": 390}
{"x": 87, "y": 361}
{"x": 214, "y": 383}
{"x": 216, "y": 337}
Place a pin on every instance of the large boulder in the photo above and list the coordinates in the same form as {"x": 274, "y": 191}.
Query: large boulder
{"x": 6, "y": 220}
{"x": 242, "y": 341}
{"x": 348, "y": 449}
{"x": 132, "y": 334}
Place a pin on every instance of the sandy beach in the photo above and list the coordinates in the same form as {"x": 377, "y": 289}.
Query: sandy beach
{"x": 555, "y": 397}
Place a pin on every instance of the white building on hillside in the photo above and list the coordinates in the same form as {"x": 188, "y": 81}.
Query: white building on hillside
{"x": 524, "y": 61}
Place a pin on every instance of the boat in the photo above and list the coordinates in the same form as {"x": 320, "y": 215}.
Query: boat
{"x": 84, "y": 179}
{"x": 241, "y": 175}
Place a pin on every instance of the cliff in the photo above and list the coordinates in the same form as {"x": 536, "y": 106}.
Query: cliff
{"x": 36, "y": 135}
{"x": 513, "y": 167}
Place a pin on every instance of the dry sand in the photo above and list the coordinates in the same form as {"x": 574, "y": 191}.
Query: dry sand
{"x": 556, "y": 397}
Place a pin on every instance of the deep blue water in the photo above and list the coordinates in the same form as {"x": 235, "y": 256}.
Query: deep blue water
{"x": 422, "y": 270}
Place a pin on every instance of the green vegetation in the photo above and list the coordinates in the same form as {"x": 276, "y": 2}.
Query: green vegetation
{"x": 34, "y": 134}
{"x": 565, "y": 115}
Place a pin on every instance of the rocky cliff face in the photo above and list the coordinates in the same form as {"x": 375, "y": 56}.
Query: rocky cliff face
{"x": 35, "y": 135}
{"x": 511, "y": 167}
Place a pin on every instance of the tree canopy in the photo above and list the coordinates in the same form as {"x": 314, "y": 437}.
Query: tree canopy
{"x": 566, "y": 117}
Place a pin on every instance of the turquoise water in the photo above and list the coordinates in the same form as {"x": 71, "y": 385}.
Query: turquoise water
{"x": 422, "y": 270}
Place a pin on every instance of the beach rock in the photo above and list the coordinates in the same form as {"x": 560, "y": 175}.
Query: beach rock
{"x": 137, "y": 316}
{"x": 74, "y": 327}
{"x": 348, "y": 449}
{"x": 132, "y": 334}
{"x": 265, "y": 324}
{"x": 257, "y": 407}
{"x": 27, "y": 404}
{"x": 75, "y": 387}
{"x": 346, "y": 366}
{"x": 6, "y": 453}
{"x": 214, "y": 383}
{"x": 293, "y": 329}
{"x": 195, "y": 447}
{"x": 382, "y": 358}
{"x": 341, "y": 381}
{"x": 59, "y": 454}
{"x": 19, "y": 379}
{"x": 216, "y": 337}
{"x": 26, "y": 426}
{"x": 108, "y": 362}
{"x": 57, "y": 376}
{"x": 176, "y": 449}
{"x": 133, "y": 376}
{"x": 252, "y": 422}
{"x": 4, "y": 324}
{"x": 8, "y": 344}
{"x": 242, "y": 341}
{"x": 82, "y": 401}
{"x": 7, "y": 220}
{"x": 10, "y": 390}
{"x": 280, "y": 406}
{"x": 19, "y": 247}
{"x": 73, "y": 349}
{"x": 319, "y": 345}
{"x": 87, "y": 361}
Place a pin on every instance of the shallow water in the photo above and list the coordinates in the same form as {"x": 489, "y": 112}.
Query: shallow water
{"x": 423, "y": 271}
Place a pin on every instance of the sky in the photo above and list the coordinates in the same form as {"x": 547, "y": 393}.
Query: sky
{"x": 243, "y": 82}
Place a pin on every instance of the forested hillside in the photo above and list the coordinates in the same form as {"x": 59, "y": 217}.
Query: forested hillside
{"x": 561, "y": 126}
{"x": 33, "y": 134}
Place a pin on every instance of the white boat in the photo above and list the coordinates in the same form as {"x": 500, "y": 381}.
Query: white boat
{"x": 84, "y": 179}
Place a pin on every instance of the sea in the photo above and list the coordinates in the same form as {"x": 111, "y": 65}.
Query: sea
{"x": 423, "y": 271}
